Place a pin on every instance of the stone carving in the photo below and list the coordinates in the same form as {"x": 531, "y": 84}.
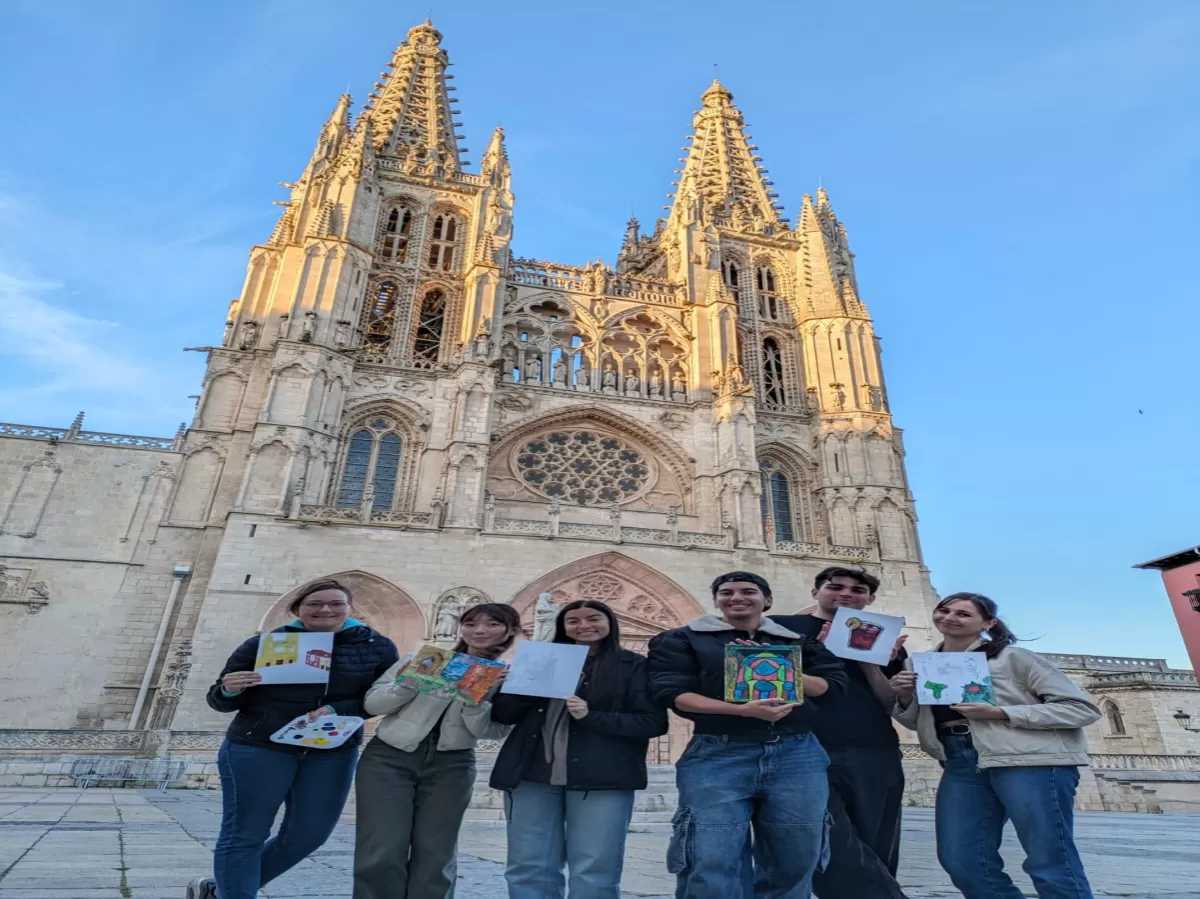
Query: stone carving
{"x": 309, "y": 327}
{"x": 608, "y": 380}
{"x": 448, "y": 611}
{"x": 446, "y": 625}
{"x": 560, "y": 373}
{"x": 544, "y": 616}
{"x": 533, "y": 370}
{"x": 341, "y": 334}
{"x": 282, "y": 331}
{"x": 248, "y": 337}
{"x": 633, "y": 386}
{"x": 656, "y": 385}
{"x": 674, "y": 421}
{"x": 508, "y": 364}
{"x": 678, "y": 388}
{"x": 170, "y": 687}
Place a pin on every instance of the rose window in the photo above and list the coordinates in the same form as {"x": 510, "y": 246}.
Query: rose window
{"x": 583, "y": 467}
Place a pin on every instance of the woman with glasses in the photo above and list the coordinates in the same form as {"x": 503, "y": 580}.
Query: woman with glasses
{"x": 1011, "y": 755}
{"x": 259, "y": 776}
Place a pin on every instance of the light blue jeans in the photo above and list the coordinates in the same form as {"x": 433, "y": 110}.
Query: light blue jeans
{"x": 549, "y": 827}
{"x": 974, "y": 803}
{"x": 728, "y": 791}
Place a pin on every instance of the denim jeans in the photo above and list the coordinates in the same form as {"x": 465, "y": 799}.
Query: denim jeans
{"x": 549, "y": 827}
{"x": 751, "y": 822}
{"x": 974, "y": 803}
{"x": 255, "y": 782}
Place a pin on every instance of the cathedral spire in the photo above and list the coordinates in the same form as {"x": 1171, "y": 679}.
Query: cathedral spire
{"x": 409, "y": 111}
{"x": 722, "y": 181}
{"x": 494, "y": 164}
{"x": 827, "y": 259}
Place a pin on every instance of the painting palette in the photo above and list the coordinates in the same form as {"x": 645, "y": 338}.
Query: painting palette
{"x": 326, "y": 732}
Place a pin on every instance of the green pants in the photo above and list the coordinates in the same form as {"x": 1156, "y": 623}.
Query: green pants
{"x": 410, "y": 806}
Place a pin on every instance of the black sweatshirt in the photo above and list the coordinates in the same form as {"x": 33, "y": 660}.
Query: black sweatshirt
{"x": 691, "y": 659}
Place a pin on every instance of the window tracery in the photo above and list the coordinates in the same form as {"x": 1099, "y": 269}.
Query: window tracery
{"x": 379, "y": 318}
{"x": 784, "y": 500}
{"x": 770, "y": 304}
{"x": 372, "y": 464}
{"x": 731, "y": 273}
{"x": 397, "y": 234}
{"x": 443, "y": 238}
{"x": 774, "y": 390}
{"x": 430, "y": 325}
{"x": 584, "y": 467}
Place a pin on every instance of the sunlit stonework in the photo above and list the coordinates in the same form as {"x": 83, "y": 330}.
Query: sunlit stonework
{"x": 399, "y": 401}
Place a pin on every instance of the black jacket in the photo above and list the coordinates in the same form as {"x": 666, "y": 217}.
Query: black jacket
{"x": 606, "y": 749}
{"x": 691, "y": 659}
{"x": 360, "y": 655}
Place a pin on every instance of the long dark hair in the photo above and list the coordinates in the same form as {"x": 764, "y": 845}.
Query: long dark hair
{"x": 506, "y": 615}
{"x": 604, "y": 688}
{"x": 999, "y": 636}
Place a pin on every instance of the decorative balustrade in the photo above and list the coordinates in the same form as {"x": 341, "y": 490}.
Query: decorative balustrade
{"x": 645, "y": 290}
{"x": 793, "y": 547}
{"x": 391, "y": 164}
{"x": 1175, "y": 679}
{"x": 578, "y": 279}
{"x": 1111, "y": 761}
{"x": 586, "y": 531}
{"x": 608, "y": 533}
{"x": 73, "y": 435}
{"x": 1105, "y": 663}
{"x": 548, "y": 274}
{"x": 356, "y": 515}
{"x": 858, "y": 553}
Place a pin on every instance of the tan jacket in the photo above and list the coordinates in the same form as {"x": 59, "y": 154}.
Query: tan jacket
{"x": 411, "y": 715}
{"x": 1046, "y": 715}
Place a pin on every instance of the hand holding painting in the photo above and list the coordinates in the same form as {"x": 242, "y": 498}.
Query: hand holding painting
{"x": 237, "y": 681}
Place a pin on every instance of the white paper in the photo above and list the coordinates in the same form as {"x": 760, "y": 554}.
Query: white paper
{"x": 946, "y": 678}
{"x": 863, "y": 636}
{"x": 294, "y": 657}
{"x": 326, "y": 732}
{"x": 546, "y": 669}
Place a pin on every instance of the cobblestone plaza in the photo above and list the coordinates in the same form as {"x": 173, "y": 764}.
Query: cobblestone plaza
{"x": 142, "y": 844}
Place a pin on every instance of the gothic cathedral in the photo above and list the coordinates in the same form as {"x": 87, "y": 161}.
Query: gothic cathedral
{"x": 400, "y": 402}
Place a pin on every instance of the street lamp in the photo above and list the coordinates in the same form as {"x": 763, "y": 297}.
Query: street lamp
{"x": 1184, "y": 720}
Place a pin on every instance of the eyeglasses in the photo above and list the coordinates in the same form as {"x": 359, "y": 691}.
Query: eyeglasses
{"x": 336, "y": 605}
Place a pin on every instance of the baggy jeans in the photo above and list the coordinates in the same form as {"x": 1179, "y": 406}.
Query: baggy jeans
{"x": 549, "y": 827}
{"x": 255, "y": 782}
{"x": 409, "y": 808}
{"x": 749, "y": 811}
{"x": 972, "y": 807}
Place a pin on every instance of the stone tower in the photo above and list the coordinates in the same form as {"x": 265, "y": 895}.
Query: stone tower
{"x": 400, "y": 399}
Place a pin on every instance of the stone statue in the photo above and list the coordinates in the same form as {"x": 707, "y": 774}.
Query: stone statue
{"x": 544, "y": 615}
{"x": 560, "y": 373}
{"x": 508, "y": 363}
{"x": 532, "y": 373}
{"x": 446, "y": 626}
{"x": 282, "y": 331}
{"x": 608, "y": 381}
{"x": 309, "y": 328}
{"x": 737, "y": 378}
{"x": 678, "y": 387}
{"x": 341, "y": 334}
{"x": 633, "y": 385}
{"x": 656, "y": 384}
{"x": 839, "y": 398}
{"x": 600, "y": 308}
{"x": 249, "y": 336}
{"x": 228, "y": 335}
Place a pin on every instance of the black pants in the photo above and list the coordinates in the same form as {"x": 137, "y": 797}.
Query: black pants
{"x": 866, "y": 792}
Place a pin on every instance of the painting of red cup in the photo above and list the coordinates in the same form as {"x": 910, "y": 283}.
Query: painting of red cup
{"x": 864, "y": 636}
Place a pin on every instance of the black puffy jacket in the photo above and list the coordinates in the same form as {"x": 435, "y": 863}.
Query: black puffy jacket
{"x": 691, "y": 659}
{"x": 360, "y": 656}
{"x": 606, "y": 749}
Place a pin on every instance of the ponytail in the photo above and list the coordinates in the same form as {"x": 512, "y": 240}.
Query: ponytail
{"x": 999, "y": 635}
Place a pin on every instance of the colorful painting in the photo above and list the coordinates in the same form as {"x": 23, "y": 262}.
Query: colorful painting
{"x": 763, "y": 672}
{"x": 451, "y": 674}
{"x": 946, "y": 678}
{"x": 294, "y": 657}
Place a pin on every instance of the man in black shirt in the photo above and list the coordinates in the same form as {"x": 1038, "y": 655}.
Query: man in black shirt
{"x": 866, "y": 778}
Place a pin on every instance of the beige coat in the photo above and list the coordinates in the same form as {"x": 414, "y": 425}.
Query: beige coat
{"x": 1046, "y": 715}
{"x": 411, "y": 714}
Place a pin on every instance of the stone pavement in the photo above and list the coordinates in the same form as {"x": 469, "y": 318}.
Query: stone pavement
{"x": 141, "y": 844}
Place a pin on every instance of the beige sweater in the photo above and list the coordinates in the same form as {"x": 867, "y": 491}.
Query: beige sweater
{"x": 411, "y": 714}
{"x": 1046, "y": 715}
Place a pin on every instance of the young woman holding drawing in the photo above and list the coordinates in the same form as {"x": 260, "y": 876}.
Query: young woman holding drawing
{"x": 570, "y": 767}
{"x": 1016, "y": 760}
{"x": 258, "y": 776}
{"x": 415, "y": 778}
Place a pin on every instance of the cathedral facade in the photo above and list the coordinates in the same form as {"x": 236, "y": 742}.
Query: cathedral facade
{"x": 399, "y": 401}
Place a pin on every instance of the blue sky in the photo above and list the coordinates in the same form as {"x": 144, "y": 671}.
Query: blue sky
{"x": 1019, "y": 180}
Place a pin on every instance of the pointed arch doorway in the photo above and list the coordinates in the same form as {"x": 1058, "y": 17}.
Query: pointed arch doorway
{"x": 645, "y": 602}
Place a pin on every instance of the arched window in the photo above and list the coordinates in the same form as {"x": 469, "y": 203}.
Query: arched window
{"x": 441, "y": 242}
{"x": 774, "y": 393}
{"x": 776, "y": 501}
{"x": 428, "y": 341}
{"x": 1116, "y": 722}
{"x": 768, "y": 299}
{"x": 396, "y": 234}
{"x": 380, "y": 317}
{"x": 372, "y": 457}
{"x": 729, "y": 267}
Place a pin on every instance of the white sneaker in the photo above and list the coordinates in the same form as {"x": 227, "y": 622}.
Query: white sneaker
{"x": 202, "y": 888}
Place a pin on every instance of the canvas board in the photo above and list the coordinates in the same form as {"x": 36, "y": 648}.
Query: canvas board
{"x": 294, "y": 657}
{"x": 863, "y": 636}
{"x": 326, "y": 732}
{"x": 546, "y": 669}
{"x": 447, "y": 673}
{"x": 763, "y": 672}
{"x": 946, "y": 678}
